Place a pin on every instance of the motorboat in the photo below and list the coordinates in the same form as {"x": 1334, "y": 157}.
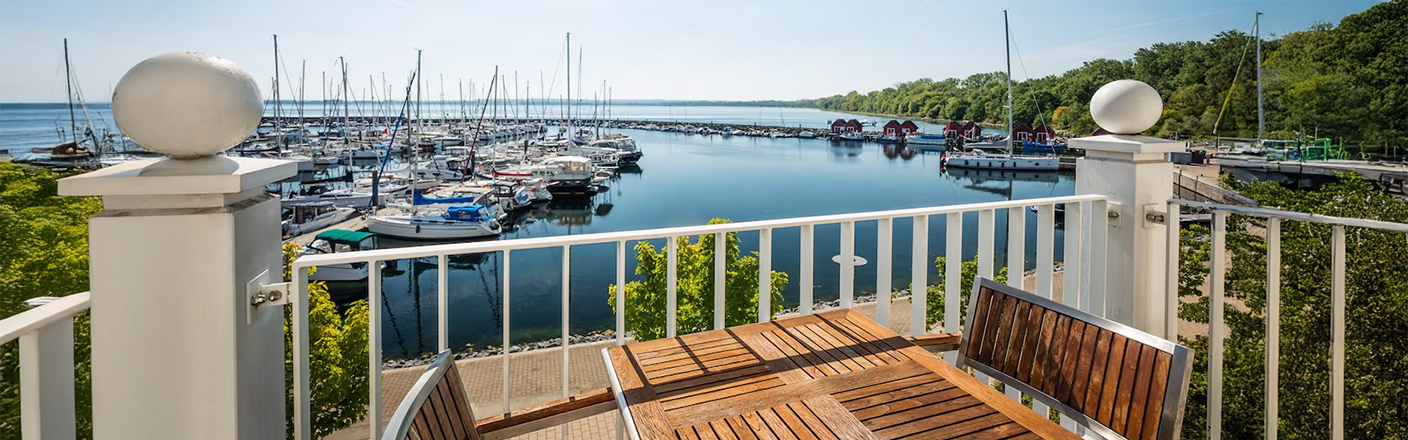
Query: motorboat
{"x": 454, "y": 223}
{"x": 921, "y": 138}
{"x": 340, "y": 240}
{"x": 338, "y": 197}
{"x": 853, "y": 136}
{"x": 806, "y": 135}
{"x": 310, "y": 217}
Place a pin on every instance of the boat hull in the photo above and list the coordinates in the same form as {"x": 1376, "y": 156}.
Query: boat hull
{"x": 403, "y": 226}
{"x": 1005, "y": 162}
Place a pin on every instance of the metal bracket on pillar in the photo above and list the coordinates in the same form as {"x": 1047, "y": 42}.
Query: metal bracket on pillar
{"x": 1112, "y": 213}
{"x": 259, "y": 295}
{"x": 1154, "y": 216}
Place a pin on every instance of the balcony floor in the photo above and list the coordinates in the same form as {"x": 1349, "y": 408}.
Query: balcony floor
{"x": 537, "y": 378}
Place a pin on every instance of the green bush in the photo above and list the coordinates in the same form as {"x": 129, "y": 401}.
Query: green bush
{"x": 646, "y": 299}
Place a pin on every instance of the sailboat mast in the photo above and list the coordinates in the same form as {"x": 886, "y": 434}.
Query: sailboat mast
{"x": 68, "y": 81}
{"x": 346, "y": 109}
{"x": 278, "y": 128}
{"x": 1008, "y": 46}
{"x": 1260, "y": 115}
{"x": 569, "y": 83}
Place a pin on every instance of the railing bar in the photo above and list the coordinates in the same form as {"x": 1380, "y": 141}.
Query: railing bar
{"x": 884, "y": 269}
{"x": 1215, "y": 324}
{"x": 1337, "y": 333}
{"x": 986, "y": 242}
{"x": 566, "y": 339}
{"x": 848, "y": 264}
{"x": 374, "y": 349}
{"x": 764, "y": 275}
{"x": 1045, "y": 248}
{"x": 43, "y": 316}
{"x": 1172, "y": 220}
{"x": 953, "y": 273}
{"x": 808, "y": 257}
{"x": 46, "y": 382}
{"x": 670, "y": 283}
{"x": 621, "y": 292}
{"x": 1298, "y": 216}
{"x": 647, "y": 234}
{"x": 1099, "y": 239}
{"x": 919, "y": 278}
{"x": 1071, "y": 294}
{"x": 303, "y": 404}
{"x": 506, "y": 330}
{"x": 1016, "y": 245}
{"x": 1273, "y": 325}
{"x": 720, "y": 277}
{"x": 442, "y": 307}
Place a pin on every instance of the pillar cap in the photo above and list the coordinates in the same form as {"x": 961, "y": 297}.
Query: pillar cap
{"x": 187, "y": 105}
{"x": 1129, "y": 144}
{"x": 157, "y": 177}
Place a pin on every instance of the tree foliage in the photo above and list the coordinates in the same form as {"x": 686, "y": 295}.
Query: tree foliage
{"x": 646, "y": 299}
{"x": 1376, "y": 292}
{"x": 1346, "y": 82}
{"x": 934, "y": 311}
{"x": 337, "y": 348}
{"x": 43, "y": 252}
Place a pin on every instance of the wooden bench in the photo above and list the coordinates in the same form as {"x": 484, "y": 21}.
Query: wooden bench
{"x": 1115, "y": 380}
{"x": 436, "y": 408}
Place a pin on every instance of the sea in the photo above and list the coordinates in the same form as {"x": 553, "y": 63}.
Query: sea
{"x": 682, "y": 180}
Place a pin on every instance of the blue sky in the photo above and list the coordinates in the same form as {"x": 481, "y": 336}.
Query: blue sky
{"x": 717, "y": 50}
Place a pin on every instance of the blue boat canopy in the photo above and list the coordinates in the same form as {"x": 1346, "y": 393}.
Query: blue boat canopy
{"x": 466, "y": 212}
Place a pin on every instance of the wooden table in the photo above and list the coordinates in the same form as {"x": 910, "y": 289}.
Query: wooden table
{"x": 831, "y": 375}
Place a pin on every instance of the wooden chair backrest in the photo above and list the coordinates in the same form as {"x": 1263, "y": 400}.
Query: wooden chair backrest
{"x": 1113, "y": 379}
{"x": 436, "y": 407}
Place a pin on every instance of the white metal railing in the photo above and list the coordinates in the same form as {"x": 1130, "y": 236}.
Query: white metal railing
{"x": 1085, "y": 221}
{"x": 46, "y": 366}
{"x": 1218, "y": 270}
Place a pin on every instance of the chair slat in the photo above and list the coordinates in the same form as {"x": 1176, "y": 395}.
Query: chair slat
{"x": 1083, "y": 366}
{"x": 1035, "y": 323}
{"x": 978, "y": 326}
{"x": 1043, "y": 349}
{"x": 1058, "y": 350}
{"x": 1157, "y": 388}
{"x": 1129, "y": 373}
{"x": 1070, "y": 360}
{"x": 1099, "y": 362}
{"x": 1003, "y": 337}
{"x": 1019, "y": 337}
{"x": 1140, "y": 398}
{"x": 1113, "y": 368}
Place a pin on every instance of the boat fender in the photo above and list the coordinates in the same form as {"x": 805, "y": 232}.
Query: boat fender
{"x": 417, "y": 229}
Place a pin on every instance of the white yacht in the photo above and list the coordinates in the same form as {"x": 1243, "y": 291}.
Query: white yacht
{"x": 454, "y": 223}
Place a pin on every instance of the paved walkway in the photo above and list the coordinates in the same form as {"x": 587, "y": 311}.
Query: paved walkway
{"x": 535, "y": 377}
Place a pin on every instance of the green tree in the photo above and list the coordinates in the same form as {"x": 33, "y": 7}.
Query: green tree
{"x": 934, "y": 311}
{"x": 646, "y": 299}
{"x": 337, "y": 348}
{"x": 1376, "y": 291}
{"x": 43, "y": 252}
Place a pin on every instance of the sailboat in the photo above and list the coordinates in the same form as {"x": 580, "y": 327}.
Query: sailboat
{"x": 75, "y": 148}
{"x": 978, "y": 158}
{"x": 454, "y": 223}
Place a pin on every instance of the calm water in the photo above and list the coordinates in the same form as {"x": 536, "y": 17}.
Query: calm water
{"x": 687, "y": 180}
{"x": 683, "y": 180}
{"x": 25, "y": 126}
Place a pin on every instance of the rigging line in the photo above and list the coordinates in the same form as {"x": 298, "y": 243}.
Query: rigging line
{"x": 557, "y": 67}
{"x": 1030, "y": 90}
{"x": 1231, "y": 87}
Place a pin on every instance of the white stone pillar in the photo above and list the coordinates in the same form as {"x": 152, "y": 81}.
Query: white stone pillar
{"x": 177, "y": 352}
{"x": 1131, "y": 170}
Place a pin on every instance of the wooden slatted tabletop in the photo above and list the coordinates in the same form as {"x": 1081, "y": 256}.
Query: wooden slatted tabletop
{"x": 833, "y": 375}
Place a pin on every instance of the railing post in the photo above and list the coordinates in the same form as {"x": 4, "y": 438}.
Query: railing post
{"x": 46, "y": 382}
{"x": 1131, "y": 171}
{"x": 179, "y": 247}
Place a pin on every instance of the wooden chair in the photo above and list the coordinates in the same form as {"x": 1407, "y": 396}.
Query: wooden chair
{"x": 436, "y": 408}
{"x": 1115, "y": 380}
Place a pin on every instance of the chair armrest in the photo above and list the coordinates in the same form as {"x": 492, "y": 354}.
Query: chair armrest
{"x": 938, "y": 342}
{"x": 547, "y": 415}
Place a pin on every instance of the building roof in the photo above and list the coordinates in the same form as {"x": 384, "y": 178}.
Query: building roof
{"x": 893, "y": 123}
{"x": 909, "y": 124}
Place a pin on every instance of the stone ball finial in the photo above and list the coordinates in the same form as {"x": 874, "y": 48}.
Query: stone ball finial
{"x": 187, "y": 105}
{"x": 1126, "y": 107}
